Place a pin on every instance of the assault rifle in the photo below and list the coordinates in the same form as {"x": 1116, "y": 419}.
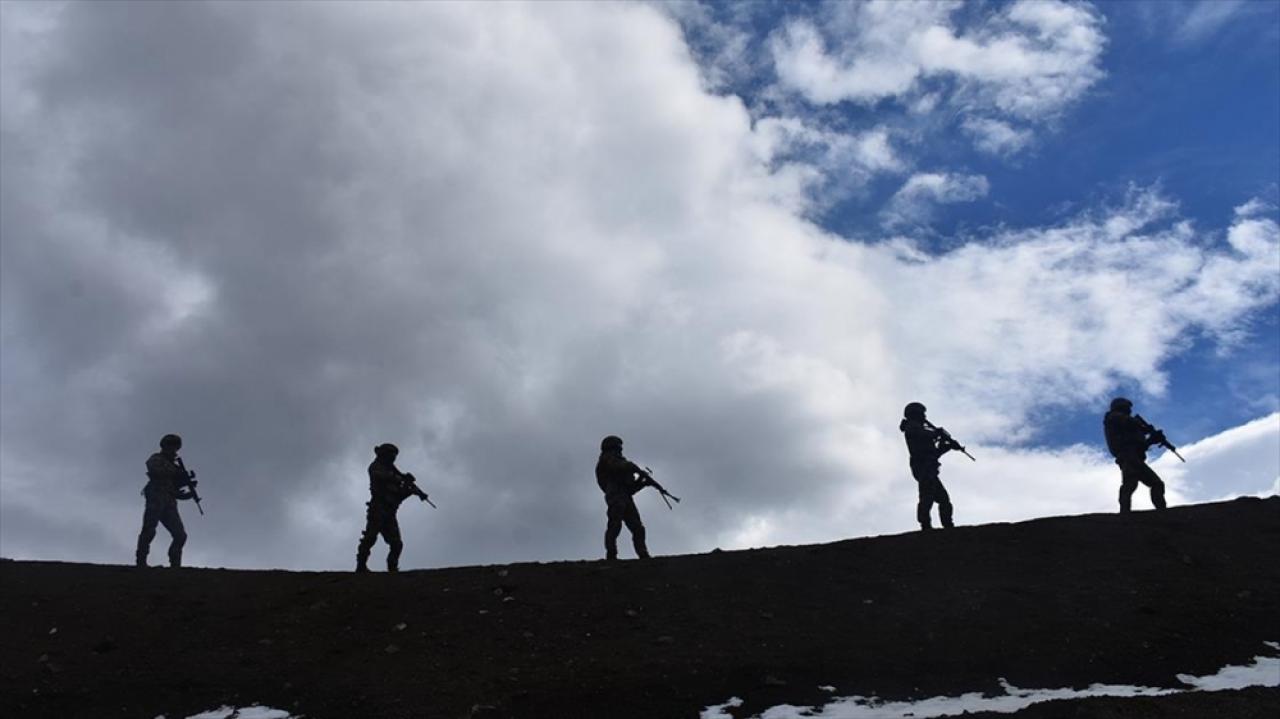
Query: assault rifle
{"x": 948, "y": 440}
{"x": 190, "y": 484}
{"x": 411, "y": 486}
{"x": 646, "y": 476}
{"x": 1157, "y": 435}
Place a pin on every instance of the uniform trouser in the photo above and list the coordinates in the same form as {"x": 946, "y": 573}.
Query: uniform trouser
{"x": 931, "y": 492}
{"x": 1133, "y": 472}
{"x": 163, "y": 510}
{"x": 623, "y": 511}
{"x": 381, "y": 520}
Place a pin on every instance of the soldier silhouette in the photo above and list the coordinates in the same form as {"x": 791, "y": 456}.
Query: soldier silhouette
{"x": 388, "y": 487}
{"x": 620, "y": 479}
{"x": 167, "y": 482}
{"x": 1128, "y": 439}
{"x": 926, "y": 444}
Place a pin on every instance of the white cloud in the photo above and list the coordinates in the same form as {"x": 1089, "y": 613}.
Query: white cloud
{"x": 996, "y": 137}
{"x": 1028, "y": 60}
{"x": 914, "y": 202}
{"x": 494, "y": 233}
{"x": 1241, "y": 461}
{"x": 1206, "y": 17}
{"x": 802, "y": 160}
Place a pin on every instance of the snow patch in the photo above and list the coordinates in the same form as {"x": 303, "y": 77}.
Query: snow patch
{"x": 1264, "y": 671}
{"x": 251, "y": 712}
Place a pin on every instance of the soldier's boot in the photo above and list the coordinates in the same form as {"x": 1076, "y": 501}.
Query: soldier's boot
{"x": 1157, "y": 497}
{"x": 922, "y": 515}
{"x": 637, "y": 541}
{"x": 611, "y": 544}
{"x": 362, "y": 567}
{"x": 944, "y": 511}
{"x": 362, "y": 559}
{"x": 393, "y": 557}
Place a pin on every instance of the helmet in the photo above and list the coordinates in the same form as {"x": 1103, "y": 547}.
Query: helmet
{"x": 386, "y": 451}
{"x": 915, "y": 410}
{"x": 1120, "y": 404}
{"x": 171, "y": 440}
{"x": 611, "y": 443}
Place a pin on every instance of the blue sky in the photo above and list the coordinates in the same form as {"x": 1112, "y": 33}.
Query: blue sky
{"x": 1189, "y": 104}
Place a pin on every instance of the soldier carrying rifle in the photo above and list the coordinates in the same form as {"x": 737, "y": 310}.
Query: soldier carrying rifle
{"x": 388, "y": 487}
{"x": 619, "y": 479}
{"x": 926, "y": 443}
{"x": 167, "y": 482}
{"x": 1129, "y": 436}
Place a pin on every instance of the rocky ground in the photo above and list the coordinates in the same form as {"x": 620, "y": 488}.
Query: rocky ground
{"x": 1057, "y": 602}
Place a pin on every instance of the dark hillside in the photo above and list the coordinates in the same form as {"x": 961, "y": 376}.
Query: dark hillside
{"x": 1058, "y": 602}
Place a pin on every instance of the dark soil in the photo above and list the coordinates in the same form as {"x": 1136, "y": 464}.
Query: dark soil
{"x": 1064, "y": 601}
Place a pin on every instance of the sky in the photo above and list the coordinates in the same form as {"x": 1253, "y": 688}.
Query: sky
{"x": 741, "y": 236}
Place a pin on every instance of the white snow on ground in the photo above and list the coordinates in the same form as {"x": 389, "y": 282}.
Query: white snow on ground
{"x": 1264, "y": 671}
{"x": 253, "y": 712}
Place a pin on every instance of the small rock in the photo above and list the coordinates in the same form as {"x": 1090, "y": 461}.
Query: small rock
{"x": 868, "y": 601}
{"x": 527, "y": 635}
{"x": 666, "y": 639}
{"x": 266, "y": 642}
{"x": 483, "y": 711}
{"x": 503, "y": 572}
{"x": 1186, "y": 559}
{"x": 483, "y": 611}
{"x": 772, "y": 681}
{"x": 766, "y": 615}
{"x": 1244, "y": 595}
{"x": 632, "y": 613}
{"x": 392, "y": 649}
{"x": 53, "y": 631}
{"x": 400, "y": 627}
{"x": 498, "y": 592}
{"x": 43, "y": 658}
{"x": 508, "y": 599}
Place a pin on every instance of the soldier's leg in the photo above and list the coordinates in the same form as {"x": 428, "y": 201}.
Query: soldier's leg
{"x": 925, "y": 502}
{"x": 172, "y": 521}
{"x": 372, "y": 526}
{"x": 150, "y": 518}
{"x": 632, "y": 519}
{"x": 1148, "y": 476}
{"x": 391, "y": 535}
{"x": 1128, "y": 483}
{"x": 613, "y": 527}
{"x": 944, "y": 503}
